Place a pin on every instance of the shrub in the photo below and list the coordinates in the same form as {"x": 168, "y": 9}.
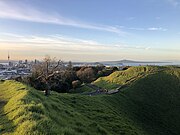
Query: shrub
{"x": 76, "y": 84}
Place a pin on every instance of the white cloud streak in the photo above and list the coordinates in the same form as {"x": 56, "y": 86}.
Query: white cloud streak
{"x": 26, "y": 13}
{"x": 67, "y": 48}
{"x": 59, "y": 42}
{"x": 149, "y": 29}
{"x": 22, "y": 12}
{"x": 156, "y": 29}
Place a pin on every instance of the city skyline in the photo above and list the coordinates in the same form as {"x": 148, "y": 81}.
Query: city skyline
{"x": 90, "y": 30}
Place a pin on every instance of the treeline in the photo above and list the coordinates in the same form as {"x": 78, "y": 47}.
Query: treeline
{"x": 56, "y": 76}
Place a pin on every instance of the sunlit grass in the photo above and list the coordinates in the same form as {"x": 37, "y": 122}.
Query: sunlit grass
{"x": 149, "y": 106}
{"x": 124, "y": 77}
{"x": 27, "y": 111}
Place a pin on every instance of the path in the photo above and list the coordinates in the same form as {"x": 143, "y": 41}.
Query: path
{"x": 100, "y": 90}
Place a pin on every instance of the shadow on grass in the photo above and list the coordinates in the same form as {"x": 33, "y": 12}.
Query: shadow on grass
{"x": 151, "y": 103}
{"x": 6, "y": 126}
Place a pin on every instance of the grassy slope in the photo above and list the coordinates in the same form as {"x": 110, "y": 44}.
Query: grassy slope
{"x": 149, "y": 106}
{"x": 154, "y": 101}
{"x": 26, "y": 111}
{"x": 82, "y": 89}
{"x": 124, "y": 77}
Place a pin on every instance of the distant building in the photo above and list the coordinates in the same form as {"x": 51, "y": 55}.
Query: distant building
{"x": 12, "y": 69}
{"x": 35, "y": 61}
{"x": 10, "y": 64}
{"x": 1, "y": 65}
{"x": 20, "y": 61}
{"x": 26, "y": 61}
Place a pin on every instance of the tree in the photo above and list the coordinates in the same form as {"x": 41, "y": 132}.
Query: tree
{"x": 46, "y": 70}
{"x": 76, "y": 84}
{"x": 69, "y": 65}
{"x": 86, "y": 74}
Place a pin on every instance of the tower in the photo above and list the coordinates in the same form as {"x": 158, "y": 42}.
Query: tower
{"x": 9, "y": 63}
{"x": 8, "y": 57}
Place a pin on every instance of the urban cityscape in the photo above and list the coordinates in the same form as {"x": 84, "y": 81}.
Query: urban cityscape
{"x": 12, "y": 69}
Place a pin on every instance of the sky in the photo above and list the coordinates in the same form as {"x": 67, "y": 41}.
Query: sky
{"x": 90, "y": 30}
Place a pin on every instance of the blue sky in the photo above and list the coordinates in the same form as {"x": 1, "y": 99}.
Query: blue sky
{"x": 81, "y": 30}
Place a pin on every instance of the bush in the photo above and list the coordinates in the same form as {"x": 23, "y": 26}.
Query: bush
{"x": 76, "y": 84}
{"x": 86, "y": 74}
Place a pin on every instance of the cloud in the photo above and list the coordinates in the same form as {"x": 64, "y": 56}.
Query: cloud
{"x": 136, "y": 47}
{"x": 50, "y": 42}
{"x": 156, "y": 29}
{"x": 59, "y": 42}
{"x": 175, "y": 3}
{"x": 139, "y": 29}
{"x": 24, "y": 12}
{"x": 149, "y": 29}
{"x": 68, "y": 48}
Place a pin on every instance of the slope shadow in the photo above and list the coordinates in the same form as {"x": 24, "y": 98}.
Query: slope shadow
{"x": 152, "y": 103}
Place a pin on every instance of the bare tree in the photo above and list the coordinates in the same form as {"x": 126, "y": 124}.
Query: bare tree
{"x": 47, "y": 69}
{"x": 69, "y": 65}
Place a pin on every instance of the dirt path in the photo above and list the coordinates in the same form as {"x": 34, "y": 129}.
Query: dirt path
{"x": 100, "y": 91}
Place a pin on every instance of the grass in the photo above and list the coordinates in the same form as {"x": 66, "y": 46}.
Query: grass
{"x": 153, "y": 101}
{"x": 82, "y": 89}
{"x": 27, "y": 111}
{"x": 125, "y": 77}
{"x": 149, "y": 106}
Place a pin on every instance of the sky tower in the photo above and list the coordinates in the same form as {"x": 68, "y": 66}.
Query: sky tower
{"x": 8, "y": 57}
{"x": 9, "y": 63}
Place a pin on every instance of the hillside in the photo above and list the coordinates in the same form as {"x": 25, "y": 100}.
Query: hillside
{"x": 126, "y": 77}
{"x": 149, "y": 105}
{"x": 26, "y": 111}
{"x": 154, "y": 101}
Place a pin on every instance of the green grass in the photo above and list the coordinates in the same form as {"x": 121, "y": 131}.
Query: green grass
{"x": 27, "y": 111}
{"x": 154, "y": 102}
{"x": 82, "y": 89}
{"x": 125, "y": 77}
{"x": 149, "y": 106}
